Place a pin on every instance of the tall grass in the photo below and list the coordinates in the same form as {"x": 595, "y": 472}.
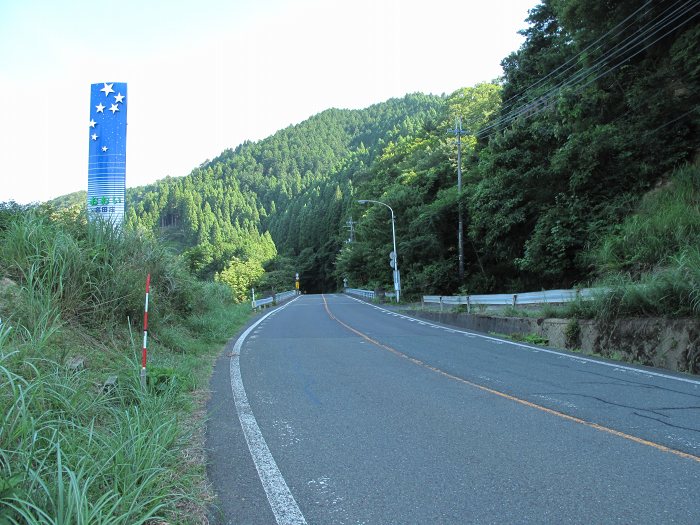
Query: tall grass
{"x": 90, "y": 273}
{"x": 72, "y": 452}
{"x": 651, "y": 262}
{"x": 75, "y": 455}
{"x": 666, "y": 222}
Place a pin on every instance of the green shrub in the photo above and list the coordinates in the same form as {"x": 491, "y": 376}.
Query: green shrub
{"x": 241, "y": 276}
{"x": 572, "y": 334}
{"x": 534, "y": 339}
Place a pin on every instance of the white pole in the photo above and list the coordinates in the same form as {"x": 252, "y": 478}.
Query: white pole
{"x": 396, "y": 276}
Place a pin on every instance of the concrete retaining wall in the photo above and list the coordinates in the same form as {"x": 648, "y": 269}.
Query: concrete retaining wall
{"x": 673, "y": 344}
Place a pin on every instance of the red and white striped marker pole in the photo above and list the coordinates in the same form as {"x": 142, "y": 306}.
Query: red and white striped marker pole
{"x": 145, "y": 334}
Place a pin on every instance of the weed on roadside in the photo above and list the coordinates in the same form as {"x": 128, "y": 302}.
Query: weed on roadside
{"x": 74, "y": 449}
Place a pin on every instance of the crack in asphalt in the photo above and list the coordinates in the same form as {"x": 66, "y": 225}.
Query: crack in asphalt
{"x": 604, "y": 401}
{"x": 678, "y": 408}
{"x": 634, "y": 409}
{"x": 667, "y": 423}
{"x": 628, "y": 382}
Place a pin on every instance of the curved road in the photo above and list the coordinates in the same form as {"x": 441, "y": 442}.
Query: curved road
{"x": 330, "y": 410}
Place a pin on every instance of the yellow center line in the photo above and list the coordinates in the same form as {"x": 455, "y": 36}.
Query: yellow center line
{"x": 510, "y": 397}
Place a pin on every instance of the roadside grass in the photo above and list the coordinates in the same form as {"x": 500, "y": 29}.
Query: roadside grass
{"x": 544, "y": 311}
{"x": 651, "y": 261}
{"x": 72, "y": 449}
{"x": 533, "y": 339}
{"x": 73, "y": 453}
{"x": 671, "y": 290}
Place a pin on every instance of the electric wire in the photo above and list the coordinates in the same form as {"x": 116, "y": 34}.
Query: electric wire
{"x": 641, "y": 34}
{"x": 668, "y": 123}
{"x": 545, "y": 100}
{"x": 644, "y": 33}
{"x": 573, "y": 59}
{"x": 579, "y": 80}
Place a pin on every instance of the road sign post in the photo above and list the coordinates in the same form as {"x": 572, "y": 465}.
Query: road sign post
{"x": 395, "y": 274}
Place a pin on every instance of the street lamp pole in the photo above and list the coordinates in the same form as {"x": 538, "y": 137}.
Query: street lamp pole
{"x": 396, "y": 276}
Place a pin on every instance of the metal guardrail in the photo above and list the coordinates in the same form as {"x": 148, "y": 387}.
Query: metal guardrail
{"x": 277, "y": 298}
{"x": 516, "y": 299}
{"x": 367, "y": 294}
{"x": 262, "y": 302}
{"x": 285, "y": 295}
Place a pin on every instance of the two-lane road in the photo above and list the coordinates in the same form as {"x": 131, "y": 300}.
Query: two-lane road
{"x": 331, "y": 410}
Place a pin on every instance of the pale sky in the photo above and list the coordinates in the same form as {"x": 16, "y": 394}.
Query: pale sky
{"x": 205, "y": 75}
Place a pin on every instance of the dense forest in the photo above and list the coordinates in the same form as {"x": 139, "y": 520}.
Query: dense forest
{"x": 597, "y": 108}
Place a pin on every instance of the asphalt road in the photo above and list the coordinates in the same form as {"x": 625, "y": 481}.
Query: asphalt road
{"x": 334, "y": 411}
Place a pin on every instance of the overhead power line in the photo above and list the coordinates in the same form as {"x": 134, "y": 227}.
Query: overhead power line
{"x": 624, "y": 51}
{"x": 634, "y": 38}
{"x": 642, "y": 34}
{"x": 571, "y": 63}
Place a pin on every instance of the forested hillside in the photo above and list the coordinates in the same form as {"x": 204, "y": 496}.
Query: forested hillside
{"x": 294, "y": 187}
{"x": 597, "y": 108}
{"x": 601, "y": 104}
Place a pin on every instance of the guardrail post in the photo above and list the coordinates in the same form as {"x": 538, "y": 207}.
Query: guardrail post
{"x": 469, "y": 305}
{"x": 515, "y": 299}
{"x": 441, "y": 304}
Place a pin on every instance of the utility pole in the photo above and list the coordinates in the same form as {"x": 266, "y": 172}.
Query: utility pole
{"x": 351, "y": 226}
{"x": 460, "y": 240}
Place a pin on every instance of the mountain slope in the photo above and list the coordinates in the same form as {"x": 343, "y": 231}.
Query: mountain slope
{"x": 296, "y": 185}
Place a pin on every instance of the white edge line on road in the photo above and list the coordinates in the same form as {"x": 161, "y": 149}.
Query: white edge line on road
{"x": 283, "y": 504}
{"x": 548, "y": 351}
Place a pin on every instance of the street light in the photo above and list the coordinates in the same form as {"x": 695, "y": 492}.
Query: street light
{"x": 397, "y": 275}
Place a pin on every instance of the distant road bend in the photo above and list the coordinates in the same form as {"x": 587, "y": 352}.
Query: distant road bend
{"x": 330, "y": 410}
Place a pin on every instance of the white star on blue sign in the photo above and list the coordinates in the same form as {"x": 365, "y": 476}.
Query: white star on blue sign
{"x": 107, "y": 89}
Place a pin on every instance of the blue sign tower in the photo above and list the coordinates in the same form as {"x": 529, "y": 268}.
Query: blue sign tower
{"x": 107, "y": 160}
